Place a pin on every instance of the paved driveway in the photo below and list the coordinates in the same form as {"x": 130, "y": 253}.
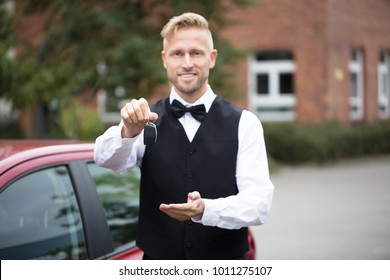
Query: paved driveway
{"x": 332, "y": 212}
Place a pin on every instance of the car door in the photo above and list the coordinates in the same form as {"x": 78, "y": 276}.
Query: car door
{"x": 119, "y": 196}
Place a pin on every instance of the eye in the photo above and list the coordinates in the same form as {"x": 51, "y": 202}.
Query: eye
{"x": 177, "y": 53}
{"x": 196, "y": 53}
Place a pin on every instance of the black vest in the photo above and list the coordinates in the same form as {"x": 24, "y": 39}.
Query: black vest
{"x": 173, "y": 167}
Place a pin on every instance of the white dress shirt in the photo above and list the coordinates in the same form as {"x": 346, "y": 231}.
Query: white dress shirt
{"x": 249, "y": 207}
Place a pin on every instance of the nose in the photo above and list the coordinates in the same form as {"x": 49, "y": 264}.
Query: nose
{"x": 187, "y": 63}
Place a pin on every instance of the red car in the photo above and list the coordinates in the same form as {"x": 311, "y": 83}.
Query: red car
{"x": 56, "y": 203}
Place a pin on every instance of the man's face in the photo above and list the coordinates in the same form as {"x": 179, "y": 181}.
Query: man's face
{"x": 188, "y": 57}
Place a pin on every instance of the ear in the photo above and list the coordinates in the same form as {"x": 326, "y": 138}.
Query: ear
{"x": 213, "y": 58}
{"x": 163, "y": 57}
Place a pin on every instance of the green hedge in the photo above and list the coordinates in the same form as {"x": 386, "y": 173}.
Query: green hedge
{"x": 294, "y": 143}
{"x": 10, "y": 130}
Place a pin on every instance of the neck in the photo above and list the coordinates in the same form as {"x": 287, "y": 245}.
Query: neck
{"x": 192, "y": 97}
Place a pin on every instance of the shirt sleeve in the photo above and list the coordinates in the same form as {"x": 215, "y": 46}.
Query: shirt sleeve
{"x": 117, "y": 153}
{"x": 252, "y": 204}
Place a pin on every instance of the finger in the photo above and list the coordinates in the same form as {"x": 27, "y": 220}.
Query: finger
{"x": 139, "y": 107}
{"x": 197, "y": 203}
{"x": 174, "y": 207}
{"x": 183, "y": 211}
{"x": 174, "y": 213}
{"x": 127, "y": 114}
{"x": 148, "y": 115}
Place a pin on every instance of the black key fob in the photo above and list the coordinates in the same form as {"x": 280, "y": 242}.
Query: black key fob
{"x": 150, "y": 134}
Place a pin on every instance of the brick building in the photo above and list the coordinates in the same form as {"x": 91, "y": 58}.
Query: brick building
{"x": 315, "y": 61}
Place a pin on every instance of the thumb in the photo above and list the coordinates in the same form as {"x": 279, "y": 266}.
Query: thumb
{"x": 193, "y": 196}
{"x": 153, "y": 117}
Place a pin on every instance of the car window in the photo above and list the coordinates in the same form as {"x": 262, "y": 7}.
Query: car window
{"x": 119, "y": 195}
{"x": 40, "y": 218}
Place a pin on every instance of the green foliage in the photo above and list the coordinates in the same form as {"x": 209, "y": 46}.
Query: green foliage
{"x": 78, "y": 122}
{"x": 34, "y": 82}
{"x": 10, "y": 130}
{"x": 6, "y": 41}
{"x": 293, "y": 143}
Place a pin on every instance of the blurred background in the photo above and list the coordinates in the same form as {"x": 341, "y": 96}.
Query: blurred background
{"x": 316, "y": 73}
{"x": 333, "y": 211}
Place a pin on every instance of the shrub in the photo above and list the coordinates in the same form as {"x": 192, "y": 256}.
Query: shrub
{"x": 10, "y": 130}
{"x": 79, "y": 122}
{"x": 294, "y": 143}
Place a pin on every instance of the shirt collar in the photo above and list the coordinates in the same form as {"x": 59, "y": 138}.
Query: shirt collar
{"x": 207, "y": 98}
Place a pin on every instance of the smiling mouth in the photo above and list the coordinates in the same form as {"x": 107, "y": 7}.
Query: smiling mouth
{"x": 187, "y": 75}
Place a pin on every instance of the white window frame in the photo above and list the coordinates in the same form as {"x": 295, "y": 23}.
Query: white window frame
{"x": 272, "y": 102}
{"x": 104, "y": 115}
{"x": 356, "y": 101}
{"x": 384, "y": 87}
{"x": 6, "y": 110}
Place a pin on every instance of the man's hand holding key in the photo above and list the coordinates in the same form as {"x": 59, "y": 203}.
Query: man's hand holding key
{"x": 135, "y": 115}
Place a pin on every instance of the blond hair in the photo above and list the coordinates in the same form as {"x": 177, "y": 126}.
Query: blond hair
{"x": 183, "y": 21}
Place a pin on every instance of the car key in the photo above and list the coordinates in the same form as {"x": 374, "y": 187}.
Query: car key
{"x": 150, "y": 134}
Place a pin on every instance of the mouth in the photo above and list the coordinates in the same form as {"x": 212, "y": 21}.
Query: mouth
{"x": 187, "y": 75}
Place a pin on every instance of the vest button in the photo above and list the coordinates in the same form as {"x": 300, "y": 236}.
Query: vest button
{"x": 188, "y": 244}
{"x": 191, "y": 151}
{"x": 189, "y": 174}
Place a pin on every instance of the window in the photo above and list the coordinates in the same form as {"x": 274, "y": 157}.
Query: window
{"x": 356, "y": 98}
{"x": 384, "y": 85}
{"x": 40, "y": 218}
{"x": 262, "y": 84}
{"x": 286, "y": 83}
{"x": 110, "y": 104}
{"x": 271, "y": 85}
{"x": 119, "y": 195}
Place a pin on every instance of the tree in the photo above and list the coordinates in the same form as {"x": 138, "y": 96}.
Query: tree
{"x": 110, "y": 44}
{"x": 7, "y": 40}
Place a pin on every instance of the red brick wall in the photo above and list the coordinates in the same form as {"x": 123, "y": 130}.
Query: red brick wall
{"x": 361, "y": 24}
{"x": 321, "y": 35}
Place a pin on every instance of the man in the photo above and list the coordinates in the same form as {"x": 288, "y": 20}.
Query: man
{"x": 206, "y": 178}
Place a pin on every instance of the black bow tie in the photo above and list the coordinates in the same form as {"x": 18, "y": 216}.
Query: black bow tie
{"x": 178, "y": 110}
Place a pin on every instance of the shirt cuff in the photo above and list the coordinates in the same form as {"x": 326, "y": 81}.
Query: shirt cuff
{"x": 126, "y": 142}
